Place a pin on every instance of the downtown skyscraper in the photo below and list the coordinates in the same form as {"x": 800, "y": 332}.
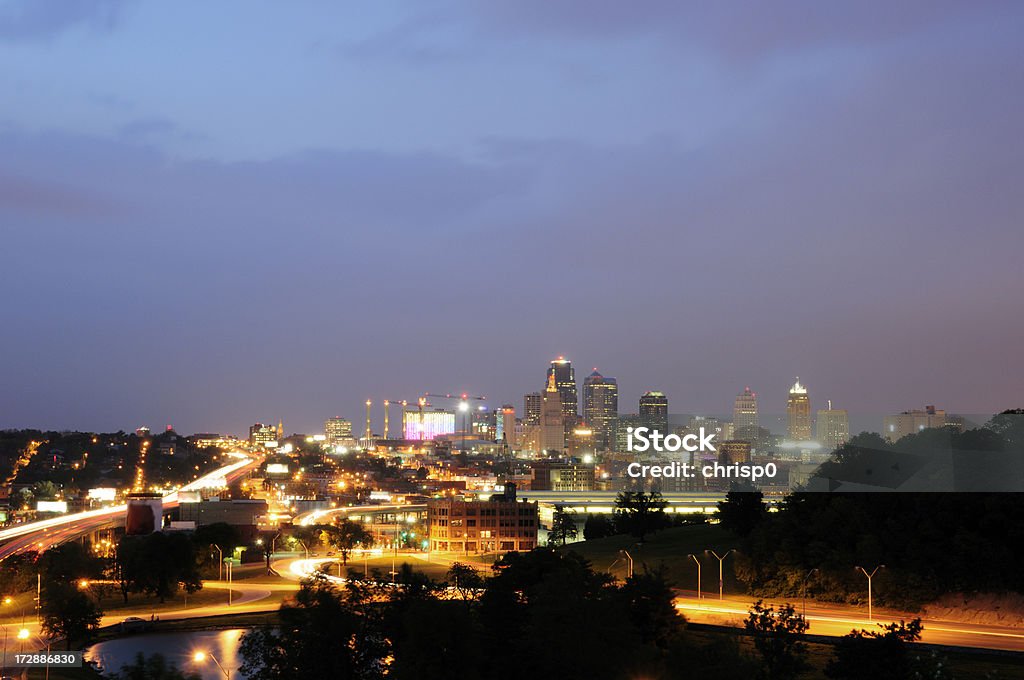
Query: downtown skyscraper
{"x": 744, "y": 415}
{"x": 798, "y": 413}
{"x": 601, "y": 408}
{"x": 564, "y": 377}
{"x": 654, "y": 411}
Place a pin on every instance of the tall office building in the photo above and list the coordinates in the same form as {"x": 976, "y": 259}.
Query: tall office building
{"x": 833, "y": 427}
{"x": 798, "y": 413}
{"x": 337, "y": 430}
{"x": 552, "y": 420}
{"x": 565, "y": 381}
{"x": 601, "y": 408}
{"x": 654, "y": 411}
{"x": 744, "y": 415}
{"x": 531, "y": 409}
{"x": 506, "y": 425}
{"x": 262, "y": 434}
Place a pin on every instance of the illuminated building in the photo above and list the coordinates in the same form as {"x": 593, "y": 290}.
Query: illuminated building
{"x": 733, "y": 451}
{"x": 565, "y": 380}
{"x": 898, "y": 426}
{"x": 337, "y": 430}
{"x": 261, "y": 435}
{"x": 531, "y": 409}
{"x": 425, "y": 424}
{"x": 499, "y": 524}
{"x": 552, "y": 420}
{"x": 833, "y": 427}
{"x": 626, "y": 421}
{"x": 798, "y": 413}
{"x": 601, "y": 408}
{"x": 654, "y": 411}
{"x": 506, "y": 425}
{"x": 484, "y": 423}
{"x": 744, "y": 415}
{"x": 562, "y": 476}
{"x": 581, "y": 443}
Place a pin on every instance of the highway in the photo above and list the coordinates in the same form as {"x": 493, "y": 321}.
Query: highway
{"x": 838, "y": 620}
{"x": 47, "y": 533}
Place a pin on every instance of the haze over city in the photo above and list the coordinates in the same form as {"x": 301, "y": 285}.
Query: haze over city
{"x": 213, "y": 215}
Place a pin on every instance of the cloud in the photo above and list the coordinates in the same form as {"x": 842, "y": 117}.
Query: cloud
{"x": 23, "y": 20}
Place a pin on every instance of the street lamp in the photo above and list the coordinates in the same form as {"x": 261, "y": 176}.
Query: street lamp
{"x": 220, "y": 561}
{"x": 629, "y": 569}
{"x": 694, "y": 557}
{"x": 806, "y": 579}
{"x": 721, "y": 560}
{"x": 873, "y": 571}
{"x": 200, "y": 657}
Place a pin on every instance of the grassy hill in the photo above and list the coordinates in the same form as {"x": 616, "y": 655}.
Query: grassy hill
{"x": 670, "y": 547}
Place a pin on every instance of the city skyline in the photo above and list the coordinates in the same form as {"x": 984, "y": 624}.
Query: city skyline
{"x": 229, "y": 232}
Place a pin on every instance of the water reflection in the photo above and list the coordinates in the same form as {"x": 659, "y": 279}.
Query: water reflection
{"x": 178, "y": 648}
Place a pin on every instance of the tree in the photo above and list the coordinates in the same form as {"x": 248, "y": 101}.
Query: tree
{"x": 651, "y": 604}
{"x": 152, "y": 667}
{"x": 563, "y": 525}
{"x": 323, "y": 634}
{"x": 778, "y": 637}
{"x": 221, "y": 534}
{"x": 464, "y": 579}
{"x": 156, "y": 564}
{"x": 598, "y": 526}
{"x": 742, "y": 510}
{"x": 879, "y": 655}
{"x": 346, "y": 535}
{"x": 638, "y": 513}
{"x": 69, "y": 613}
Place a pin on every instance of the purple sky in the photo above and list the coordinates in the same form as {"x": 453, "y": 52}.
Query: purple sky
{"x": 217, "y": 213}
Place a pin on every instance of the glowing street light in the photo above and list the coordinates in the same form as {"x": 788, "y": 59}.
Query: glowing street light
{"x": 200, "y": 657}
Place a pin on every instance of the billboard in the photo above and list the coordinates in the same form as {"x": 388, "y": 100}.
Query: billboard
{"x": 277, "y": 468}
{"x": 52, "y": 506}
{"x": 102, "y": 494}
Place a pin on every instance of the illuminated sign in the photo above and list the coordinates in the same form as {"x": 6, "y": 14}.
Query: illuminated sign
{"x": 52, "y": 506}
{"x": 102, "y": 494}
{"x": 277, "y": 468}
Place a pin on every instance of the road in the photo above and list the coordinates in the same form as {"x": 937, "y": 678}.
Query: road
{"x": 56, "y": 530}
{"x": 838, "y": 620}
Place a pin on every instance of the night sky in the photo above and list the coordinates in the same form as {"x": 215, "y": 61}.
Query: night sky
{"x": 218, "y": 213}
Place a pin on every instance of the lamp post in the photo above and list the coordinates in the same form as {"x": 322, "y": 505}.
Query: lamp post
{"x": 200, "y": 657}
{"x": 806, "y": 579}
{"x": 220, "y": 561}
{"x": 629, "y": 567}
{"x": 721, "y": 560}
{"x": 694, "y": 557}
{"x": 873, "y": 571}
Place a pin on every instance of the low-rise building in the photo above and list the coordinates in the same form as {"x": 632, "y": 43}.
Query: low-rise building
{"x": 499, "y": 524}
